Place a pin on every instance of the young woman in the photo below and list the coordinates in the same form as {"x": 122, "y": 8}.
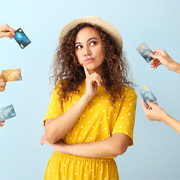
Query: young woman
{"x": 91, "y": 115}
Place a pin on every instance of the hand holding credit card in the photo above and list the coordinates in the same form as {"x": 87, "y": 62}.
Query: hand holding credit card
{"x": 147, "y": 94}
{"x": 21, "y": 38}
{"x": 12, "y": 75}
{"x": 145, "y": 51}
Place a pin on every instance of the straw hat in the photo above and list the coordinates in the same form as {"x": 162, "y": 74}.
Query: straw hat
{"x": 93, "y": 20}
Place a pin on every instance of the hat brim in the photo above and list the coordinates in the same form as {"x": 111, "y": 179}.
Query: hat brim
{"x": 93, "y": 20}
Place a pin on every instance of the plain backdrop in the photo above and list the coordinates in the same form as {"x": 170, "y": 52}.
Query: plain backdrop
{"x": 156, "y": 150}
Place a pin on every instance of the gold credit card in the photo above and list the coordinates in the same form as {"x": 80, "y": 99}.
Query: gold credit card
{"x": 12, "y": 75}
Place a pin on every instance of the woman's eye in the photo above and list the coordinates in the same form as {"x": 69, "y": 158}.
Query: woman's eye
{"x": 78, "y": 47}
{"x": 93, "y": 43}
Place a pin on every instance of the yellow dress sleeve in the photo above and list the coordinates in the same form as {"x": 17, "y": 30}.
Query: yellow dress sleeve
{"x": 125, "y": 121}
{"x": 55, "y": 108}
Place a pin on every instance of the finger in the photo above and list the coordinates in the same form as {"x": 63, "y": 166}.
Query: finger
{"x": 10, "y": 28}
{"x": 154, "y": 56}
{"x": 2, "y": 89}
{"x": 1, "y": 125}
{"x": 2, "y": 122}
{"x": 42, "y": 142}
{"x": 95, "y": 75}
{"x": 96, "y": 79}
{"x": 2, "y": 83}
{"x": 86, "y": 71}
{"x": 159, "y": 63}
{"x": 43, "y": 136}
{"x": 2, "y": 78}
{"x": 153, "y": 62}
{"x": 150, "y": 104}
{"x": 144, "y": 107}
{"x": 155, "y": 103}
{"x": 158, "y": 51}
{"x": 7, "y": 34}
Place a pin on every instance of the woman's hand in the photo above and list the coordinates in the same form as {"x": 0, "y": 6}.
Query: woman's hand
{"x": 2, "y": 123}
{"x": 92, "y": 81}
{"x": 2, "y": 83}
{"x": 161, "y": 57}
{"x": 6, "y": 31}
{"x": 59, "y": 146}
{"x": 153, "y": 111}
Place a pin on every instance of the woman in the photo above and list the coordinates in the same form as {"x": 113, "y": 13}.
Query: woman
{"x": 91, "y": 115}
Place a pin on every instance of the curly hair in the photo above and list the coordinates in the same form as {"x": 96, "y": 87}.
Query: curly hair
{"x": 68, "y": 75}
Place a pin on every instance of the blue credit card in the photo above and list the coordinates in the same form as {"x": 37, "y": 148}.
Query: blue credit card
{"x": 21, "y": 38}
{"x": 7, "y": 113}
{"x": 145, "y": 51}
{"x": 147, "y": 94}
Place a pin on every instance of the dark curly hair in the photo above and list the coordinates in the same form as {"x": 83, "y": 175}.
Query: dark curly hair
{"x": 69, "y": 75}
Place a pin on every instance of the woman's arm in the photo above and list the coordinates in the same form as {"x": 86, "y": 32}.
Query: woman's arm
{"x": 57, "y": 128}
{"x": 113, "y": 146}
{"x": 175, "y": 124}
{"x": 158, "y": 114}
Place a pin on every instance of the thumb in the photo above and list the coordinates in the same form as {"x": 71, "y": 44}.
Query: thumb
{"x": 7, "y": 34}
{"x": 150, "y": 104}
{"x": 154, "y": 56}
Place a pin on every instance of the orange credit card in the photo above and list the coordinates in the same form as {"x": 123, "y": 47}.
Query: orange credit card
{"x": 12, "y": 75}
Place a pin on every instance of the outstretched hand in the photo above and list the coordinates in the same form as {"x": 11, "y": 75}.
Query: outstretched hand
{"x": 153, "y": 111}
{"x": 161, "y": 57}
{"x": 6, "y": 31}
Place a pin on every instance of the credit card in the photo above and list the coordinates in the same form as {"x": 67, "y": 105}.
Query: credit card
{"x": 12, "y": 75}
{"x": 21, "y": 38}
{"x": 145, "y": 51}
{"x": 7, "y": 113}
{"x": 147, "y": 94}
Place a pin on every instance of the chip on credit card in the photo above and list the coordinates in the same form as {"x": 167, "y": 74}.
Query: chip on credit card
{"x": 12, "y": 75}
{"x": 147, "y": 94}
{"x": 7, "y": 113}
{"x": 21, "y": 38}
{"x": 145, "y": 51}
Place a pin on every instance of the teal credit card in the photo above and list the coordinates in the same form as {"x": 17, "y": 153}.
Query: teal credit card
{"x": 7, "y": 113}
{"x": 147, "y": 94}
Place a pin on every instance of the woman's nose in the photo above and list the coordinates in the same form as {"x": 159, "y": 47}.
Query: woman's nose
{"x": 87, "y": 51}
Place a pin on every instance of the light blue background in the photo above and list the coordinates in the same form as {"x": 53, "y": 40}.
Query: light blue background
{"x": 156, "y": 150}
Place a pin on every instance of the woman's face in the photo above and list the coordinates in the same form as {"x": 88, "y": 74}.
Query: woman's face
{"x": 89, "y": 49}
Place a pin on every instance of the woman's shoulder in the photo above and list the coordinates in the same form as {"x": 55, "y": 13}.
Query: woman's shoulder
{"x": 128, "y": 91}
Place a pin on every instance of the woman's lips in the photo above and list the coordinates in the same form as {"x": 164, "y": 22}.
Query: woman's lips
{"x": 89, "y": 60}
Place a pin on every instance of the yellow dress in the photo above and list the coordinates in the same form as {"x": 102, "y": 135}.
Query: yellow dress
{"x": 98, "y": 122}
